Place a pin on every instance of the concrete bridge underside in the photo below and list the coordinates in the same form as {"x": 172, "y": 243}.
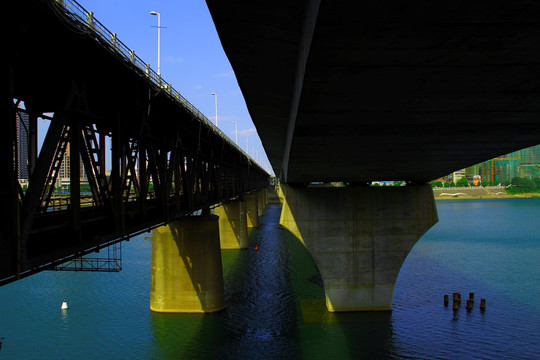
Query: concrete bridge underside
{"x": 379, "y": 91}
{"x": 385, "y": 90}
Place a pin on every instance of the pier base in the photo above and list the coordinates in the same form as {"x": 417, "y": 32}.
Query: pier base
{"x": 187, "y": 275}
{"x": 359, "y": 237}
{"x": 232, "y": 225}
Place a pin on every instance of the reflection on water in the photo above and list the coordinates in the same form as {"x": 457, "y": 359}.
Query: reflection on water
{"x": 275, "y": 309}
{"x": 260, "y": 317}
{"x": 275, "y": 301}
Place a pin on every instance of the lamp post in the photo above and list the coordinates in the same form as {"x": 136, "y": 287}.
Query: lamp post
{"x": 235, "y": 132}
{"x": 215, "y": 103}
{"x": 158, "y": 39}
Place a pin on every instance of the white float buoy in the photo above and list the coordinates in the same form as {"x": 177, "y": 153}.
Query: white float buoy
{"x": 64, "y": 306}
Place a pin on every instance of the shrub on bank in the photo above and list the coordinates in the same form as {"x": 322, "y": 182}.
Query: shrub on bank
{"x": 520, "y": 185}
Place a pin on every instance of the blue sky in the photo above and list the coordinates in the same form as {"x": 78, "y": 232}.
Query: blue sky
{"x": 192, "y": 59}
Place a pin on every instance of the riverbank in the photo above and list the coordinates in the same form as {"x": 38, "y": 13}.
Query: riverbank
{"x": 478, "y": 193}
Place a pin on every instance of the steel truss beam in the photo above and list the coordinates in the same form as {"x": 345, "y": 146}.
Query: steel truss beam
{"x": 106, "y": 112}
{"x": 155, "y": 177}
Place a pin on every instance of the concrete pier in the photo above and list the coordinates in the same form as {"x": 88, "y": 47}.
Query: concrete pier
{"x": 187, "y": 275}
{"x": 265, "y": 192}
{"x": 359, "y": 237}
{"x": 261, "y": 202}
{"x": 280, "y": 194}
{"x": 252, "y": 210}
{"x": 232, "y": 224}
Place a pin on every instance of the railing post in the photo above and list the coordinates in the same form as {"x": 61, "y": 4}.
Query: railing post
{"x": 90, "y": 20}
{"x": 113, "y": 40}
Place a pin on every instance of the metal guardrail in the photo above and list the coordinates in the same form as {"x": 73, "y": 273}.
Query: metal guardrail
{"x": 74, "y": 11}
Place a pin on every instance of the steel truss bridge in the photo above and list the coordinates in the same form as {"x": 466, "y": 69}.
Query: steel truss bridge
{"x": 105, "y": 106}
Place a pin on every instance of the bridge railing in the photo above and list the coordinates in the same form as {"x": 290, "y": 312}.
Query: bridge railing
{"x": 79, "y": 14}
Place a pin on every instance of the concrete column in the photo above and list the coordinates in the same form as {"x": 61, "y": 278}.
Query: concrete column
{"x": 281, "y": 196}
{"x": 260, "y": 202}
{"x": 359, "y": 237}
{"x": 252, "y": 210}
{"x": 187, "y": 276}
{"x": 232, "y": 225}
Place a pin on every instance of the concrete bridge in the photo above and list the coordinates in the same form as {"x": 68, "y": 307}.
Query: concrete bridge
{"x": 379, "y": 91}
{"x": 388, "y": 91}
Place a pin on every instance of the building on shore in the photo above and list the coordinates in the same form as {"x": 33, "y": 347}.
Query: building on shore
{"x": 523, "y": 163}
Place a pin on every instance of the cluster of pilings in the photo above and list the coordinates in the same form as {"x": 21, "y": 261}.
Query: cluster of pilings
{"x": 456, "y": 302}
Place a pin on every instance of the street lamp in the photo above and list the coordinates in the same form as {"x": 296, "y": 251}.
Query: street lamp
{"x": 158, "y": 39}
{"x": 215, "y": 101}
{"x": 235, "y": 132}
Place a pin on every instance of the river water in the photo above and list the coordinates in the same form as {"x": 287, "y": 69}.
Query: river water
{"x": 275, "y": 301}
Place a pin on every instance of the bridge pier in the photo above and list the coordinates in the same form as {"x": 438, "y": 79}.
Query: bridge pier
{"x": 280, "y": 194}
{"x": 359, "y": 237}
{"x": 187, "y": 275}
{"x": 232, "y": 224}
{"x": 252, "y": 209}
{"x": 261, "y": 203}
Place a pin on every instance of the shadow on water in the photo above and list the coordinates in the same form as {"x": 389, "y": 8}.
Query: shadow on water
{"x": 275, "y": 309}
{"x": 259, "y": 320}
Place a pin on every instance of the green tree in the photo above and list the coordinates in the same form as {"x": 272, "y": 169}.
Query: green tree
{"x": 516, "y": 181}
{"x": 523, "y": 183}
{"x": 463, "y": 182}
{"x": 528, "y": 184}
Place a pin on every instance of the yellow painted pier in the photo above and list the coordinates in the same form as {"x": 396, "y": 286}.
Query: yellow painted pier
{"x": 187, "y": 275}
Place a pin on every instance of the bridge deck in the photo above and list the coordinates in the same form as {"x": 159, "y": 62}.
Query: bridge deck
{"x": 385, "y": 90}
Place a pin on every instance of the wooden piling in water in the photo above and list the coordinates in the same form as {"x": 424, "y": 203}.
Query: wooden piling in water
{"x": 482, "y": 304}
{"x": 445, "y": 300}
